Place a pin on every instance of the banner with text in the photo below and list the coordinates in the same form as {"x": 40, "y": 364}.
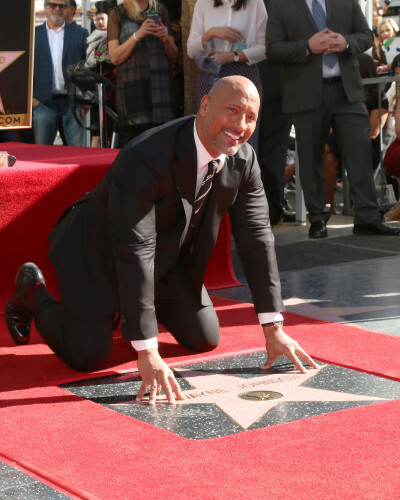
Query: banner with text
{"x": 16, "y": 63}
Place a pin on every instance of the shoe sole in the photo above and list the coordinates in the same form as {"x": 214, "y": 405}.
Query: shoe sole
{"x": 20, "y": 339}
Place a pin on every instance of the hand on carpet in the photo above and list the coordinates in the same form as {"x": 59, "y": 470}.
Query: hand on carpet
{"x": 278, "y": 343}
{"x": 393, "y": 214}
{"x": 157, "y": 375}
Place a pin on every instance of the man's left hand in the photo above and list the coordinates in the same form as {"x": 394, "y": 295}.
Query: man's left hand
{"x": 278, "y": 343}
{"x": 84, "y": 110}
{"x": 337, "y": 42}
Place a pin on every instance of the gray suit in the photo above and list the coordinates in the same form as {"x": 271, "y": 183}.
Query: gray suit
{"x": 315, "y": 105}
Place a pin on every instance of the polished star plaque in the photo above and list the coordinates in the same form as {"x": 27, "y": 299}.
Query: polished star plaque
{"x": 233, "y": 395}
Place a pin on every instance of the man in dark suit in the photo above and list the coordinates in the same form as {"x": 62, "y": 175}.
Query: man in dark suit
{"x": 57, "y": 46}
{"x": 273, "y": 140}
{"x": 318, "y": 42}
{"x": 139, "y": 243}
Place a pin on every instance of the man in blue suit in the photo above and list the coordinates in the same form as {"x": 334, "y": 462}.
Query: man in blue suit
{"x": 57, "y": 45}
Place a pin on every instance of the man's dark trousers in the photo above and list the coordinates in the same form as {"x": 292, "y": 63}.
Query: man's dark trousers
{"x": 350, "y": 122}
{"x": 85, "y": 343}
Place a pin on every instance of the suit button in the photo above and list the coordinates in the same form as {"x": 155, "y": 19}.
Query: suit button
{"x": 123, "y": 320}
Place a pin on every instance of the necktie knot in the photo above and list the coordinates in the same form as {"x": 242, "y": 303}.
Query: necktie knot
{"x": 205, "y": 186}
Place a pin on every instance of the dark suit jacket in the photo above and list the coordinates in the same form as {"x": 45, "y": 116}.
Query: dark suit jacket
{"x": 290, "y": 25}
{"x": 123, "y": 236}
{"x": 270, "y": 74}
{"x": 74, "y": 50}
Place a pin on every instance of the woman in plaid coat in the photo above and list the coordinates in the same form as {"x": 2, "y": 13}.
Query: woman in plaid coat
{"x": 141, "y": 44}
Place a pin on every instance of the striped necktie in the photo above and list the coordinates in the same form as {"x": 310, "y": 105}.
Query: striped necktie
{"x": 320, "y": 20}
{"x": 205, "y": 186}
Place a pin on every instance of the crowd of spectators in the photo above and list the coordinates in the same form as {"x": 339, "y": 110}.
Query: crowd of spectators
{"x": 143, "y": 39}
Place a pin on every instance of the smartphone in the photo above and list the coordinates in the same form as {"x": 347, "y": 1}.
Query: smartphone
{"x": 153, "y": 14}
{"x": 239, "y": 45}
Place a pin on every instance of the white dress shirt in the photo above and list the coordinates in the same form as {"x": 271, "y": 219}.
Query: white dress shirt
{"x": 251, "y": 22}
{"x": 56, "y": 43}
{"x": 327, "y": 72}
{"x": 203, "y": 158}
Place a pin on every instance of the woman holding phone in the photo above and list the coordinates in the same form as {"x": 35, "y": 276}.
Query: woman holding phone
{"x": 231, "y": 32}
{"x": 141, "y": 45}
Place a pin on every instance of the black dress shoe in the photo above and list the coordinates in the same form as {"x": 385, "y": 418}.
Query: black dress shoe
{"x": 376, "y": 227}
{"x": 18, "y": 311}
{"x": 318, "y": 229}
{"x": 287, "y": 216}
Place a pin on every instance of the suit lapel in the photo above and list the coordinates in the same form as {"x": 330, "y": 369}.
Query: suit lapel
{"x": 329, "y": 11}
{"x": 302, "y": 4}
{"x": 185, "y": 170}
{"x": 225, "y": 184}
{"x": 44, "y": 41}
{"x": 67, "y": 33}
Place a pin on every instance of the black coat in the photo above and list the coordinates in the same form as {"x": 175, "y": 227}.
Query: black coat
{"x": 113, "y": 245}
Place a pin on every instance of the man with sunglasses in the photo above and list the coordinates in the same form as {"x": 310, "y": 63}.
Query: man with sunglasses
{"x": 57, "y": 46}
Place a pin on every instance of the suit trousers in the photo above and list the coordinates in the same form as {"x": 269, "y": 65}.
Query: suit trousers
{"x": 85, "y": 344}
{"x": 350, "y": 122}
{"x": 272, "y": 149}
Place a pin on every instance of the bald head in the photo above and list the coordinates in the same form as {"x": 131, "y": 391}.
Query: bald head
{"x": 227, "y": 115}
{"x": 235, "y": 83}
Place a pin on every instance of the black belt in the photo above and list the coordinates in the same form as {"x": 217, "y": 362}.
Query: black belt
{"x": 59, "y": 96}
{"x": 332, "y": 79}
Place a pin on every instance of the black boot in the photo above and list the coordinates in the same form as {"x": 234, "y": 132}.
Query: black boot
{"x": 18, "y": 311}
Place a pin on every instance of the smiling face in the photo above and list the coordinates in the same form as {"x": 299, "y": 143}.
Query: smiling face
{"x": 227, "y": 116}
{"x": 55, "y": 12}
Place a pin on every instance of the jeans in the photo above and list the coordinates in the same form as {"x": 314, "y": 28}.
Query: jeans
{"x": 46, "y": 122}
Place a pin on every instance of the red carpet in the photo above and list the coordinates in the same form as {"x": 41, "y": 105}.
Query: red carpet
{"x": 43, "y": 183}
{"x": 92, "y": 452}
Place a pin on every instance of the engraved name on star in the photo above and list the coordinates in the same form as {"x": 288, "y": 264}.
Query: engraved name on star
{"x": 225, "y": 391}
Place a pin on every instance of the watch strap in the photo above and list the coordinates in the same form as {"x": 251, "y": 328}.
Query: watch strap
{"x": 276, "y": 324}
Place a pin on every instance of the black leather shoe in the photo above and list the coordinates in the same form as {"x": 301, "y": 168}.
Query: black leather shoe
{"x": 318, "y": 230}
{"x": 287, "y": 216}
{"x": 18, "y": 312}
{"x": 376, "y": 227}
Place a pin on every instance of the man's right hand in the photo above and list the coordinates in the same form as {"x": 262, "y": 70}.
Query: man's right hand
{"x": 156, "y": 374}
{"x": 320, "y": 42}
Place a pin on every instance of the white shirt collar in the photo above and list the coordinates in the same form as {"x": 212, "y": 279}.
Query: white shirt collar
{"x": 203, "y": 156}
{"x": 61, "y": 28}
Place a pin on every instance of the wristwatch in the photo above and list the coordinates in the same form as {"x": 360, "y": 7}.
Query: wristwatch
{"x": 276, "y": 324}
{"x": 348, "y": 49}
{"x": 236, "y": 56}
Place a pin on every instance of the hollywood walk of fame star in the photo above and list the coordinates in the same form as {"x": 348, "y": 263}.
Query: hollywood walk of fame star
{"x": 6, "y": 59}
{"x": 224, "y": 391}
